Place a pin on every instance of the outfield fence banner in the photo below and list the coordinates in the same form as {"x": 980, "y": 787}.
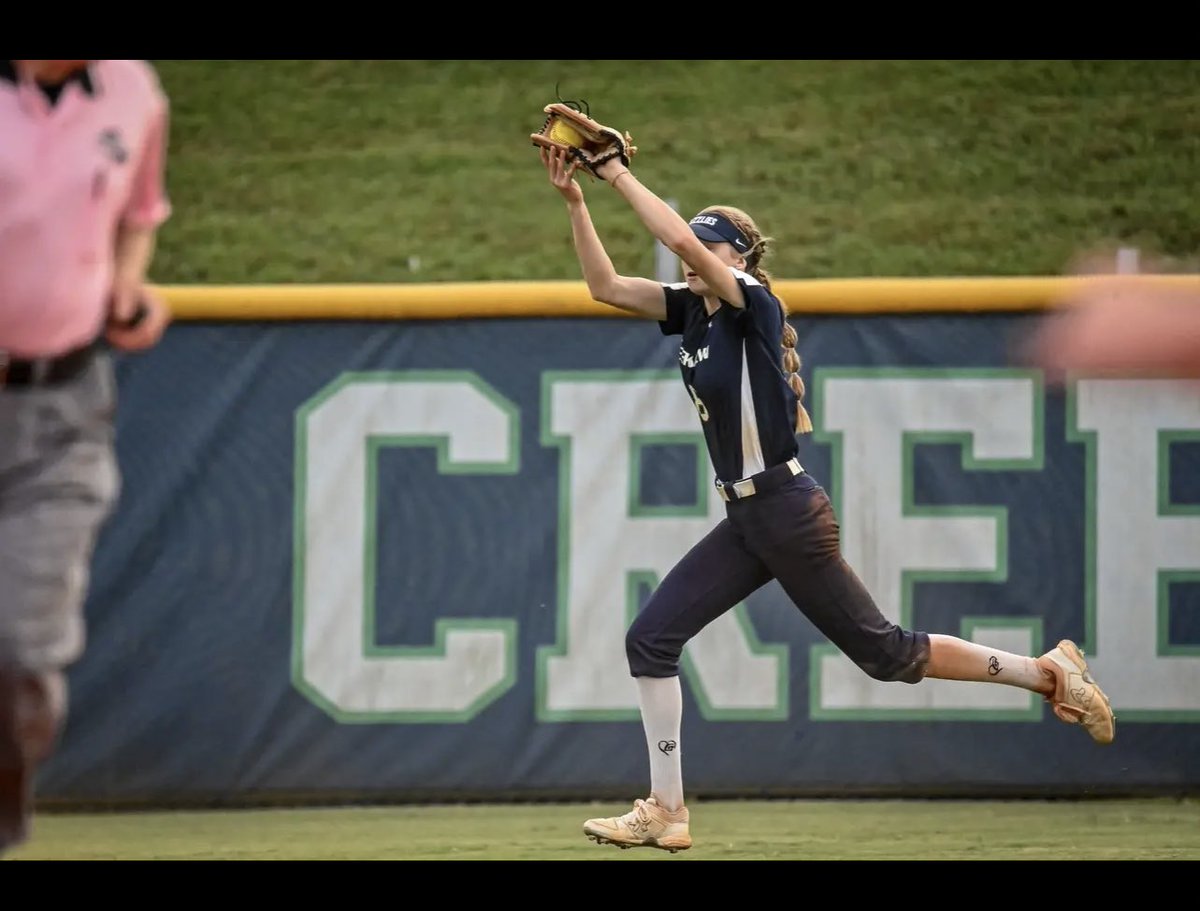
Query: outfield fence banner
{"x": 396, "y": 559}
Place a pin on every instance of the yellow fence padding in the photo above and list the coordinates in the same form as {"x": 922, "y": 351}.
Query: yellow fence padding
{"x": 483, "y": 300}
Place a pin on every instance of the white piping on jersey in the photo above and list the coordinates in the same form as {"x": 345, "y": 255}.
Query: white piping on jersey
{"x": 744, "y": 276}
{"x": 752, "y": 455}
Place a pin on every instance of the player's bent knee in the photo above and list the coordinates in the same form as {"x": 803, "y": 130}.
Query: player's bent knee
{"x": 902, "y": 659}
{"x": 899, "y": 655}
{"x": 648, "y": 656}
{"x": 889, "y": 671}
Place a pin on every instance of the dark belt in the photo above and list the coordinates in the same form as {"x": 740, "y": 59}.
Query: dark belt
{"x": 46, "y": 371}
{"x": 759, "y": 483}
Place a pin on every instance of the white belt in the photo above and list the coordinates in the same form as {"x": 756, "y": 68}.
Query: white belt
{"x": 759, "y": 483}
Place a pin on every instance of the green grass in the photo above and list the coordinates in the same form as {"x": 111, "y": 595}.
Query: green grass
{"x": 408, "y": 170}
{"x": 1161, "y": 829}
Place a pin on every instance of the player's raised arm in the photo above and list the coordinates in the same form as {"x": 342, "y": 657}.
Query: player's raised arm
{"x": 639, "y": 296}
{"x": 674, "y": 233}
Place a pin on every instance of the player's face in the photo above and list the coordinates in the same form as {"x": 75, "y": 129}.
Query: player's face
{"x": 726, "y": 252}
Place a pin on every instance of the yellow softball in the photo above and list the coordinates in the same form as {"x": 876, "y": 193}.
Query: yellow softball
{"x": 561, "y": 131}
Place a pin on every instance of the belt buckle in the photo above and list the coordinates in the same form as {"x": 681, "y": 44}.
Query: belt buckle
{"x": 736, "y": 490}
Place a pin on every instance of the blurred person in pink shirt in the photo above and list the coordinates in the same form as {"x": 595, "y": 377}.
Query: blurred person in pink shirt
{"x": 82, "y": 195}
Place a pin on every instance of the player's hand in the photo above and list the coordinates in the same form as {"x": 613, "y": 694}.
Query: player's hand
{"x": 562, "y": 174}
{"x": 611, "y": 170}
{"x": 145, "y": 331}
{"x": 1118, "y": 325}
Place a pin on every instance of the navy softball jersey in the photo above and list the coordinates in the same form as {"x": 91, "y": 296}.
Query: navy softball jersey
{"x": 731, "y": 363}
{"x": 785, "y": 530}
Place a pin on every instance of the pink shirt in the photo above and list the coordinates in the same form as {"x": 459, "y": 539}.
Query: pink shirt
{"x": 70, "y": 174}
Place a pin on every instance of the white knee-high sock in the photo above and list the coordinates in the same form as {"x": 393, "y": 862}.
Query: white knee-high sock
{"x": 661, "y": 701}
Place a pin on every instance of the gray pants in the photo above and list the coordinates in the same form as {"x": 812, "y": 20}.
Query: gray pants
{"x": 58, "y": 484}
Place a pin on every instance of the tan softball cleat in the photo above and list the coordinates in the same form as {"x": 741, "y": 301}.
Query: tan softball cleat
{"x": 1076, "y": 698}
{"x": 647, "y": 825}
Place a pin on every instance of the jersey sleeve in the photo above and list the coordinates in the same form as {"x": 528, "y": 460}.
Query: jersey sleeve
{"x": 762, "y": 309}
{"x": 677, "y": 298}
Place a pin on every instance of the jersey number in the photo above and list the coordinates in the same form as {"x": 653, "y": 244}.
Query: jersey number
{"x": 700, "y": 407}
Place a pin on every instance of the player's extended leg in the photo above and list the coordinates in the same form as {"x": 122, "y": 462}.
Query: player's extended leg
{"x": 1061, "y": 676}
{"x": 795, "y": 532}
{"x": 712, "y": 577}
{"x": 798, "y": 537}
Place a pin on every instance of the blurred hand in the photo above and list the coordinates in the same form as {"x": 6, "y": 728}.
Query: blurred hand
{"x": 148, "y": 330}
{"x": 562, "y": 174}
{"x": 124, "y": 301}
{"x": 1121, "y": 325}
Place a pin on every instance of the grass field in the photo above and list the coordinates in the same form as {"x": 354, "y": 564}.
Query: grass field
{"x": 1162, "y": 829}
{"x": 419, "y": 170}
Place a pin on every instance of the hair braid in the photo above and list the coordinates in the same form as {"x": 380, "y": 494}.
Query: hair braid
{"x": 754, "y": 256}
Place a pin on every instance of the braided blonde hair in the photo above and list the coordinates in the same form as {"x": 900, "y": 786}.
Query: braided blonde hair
{"x": 754, "y": 257}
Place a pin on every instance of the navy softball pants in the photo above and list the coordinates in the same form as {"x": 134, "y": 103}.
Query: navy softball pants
{"x": 791, "y": 534}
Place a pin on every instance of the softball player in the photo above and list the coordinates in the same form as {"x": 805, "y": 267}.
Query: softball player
{"x": 739, "y": 365}
{"x": 81, "y": 197}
